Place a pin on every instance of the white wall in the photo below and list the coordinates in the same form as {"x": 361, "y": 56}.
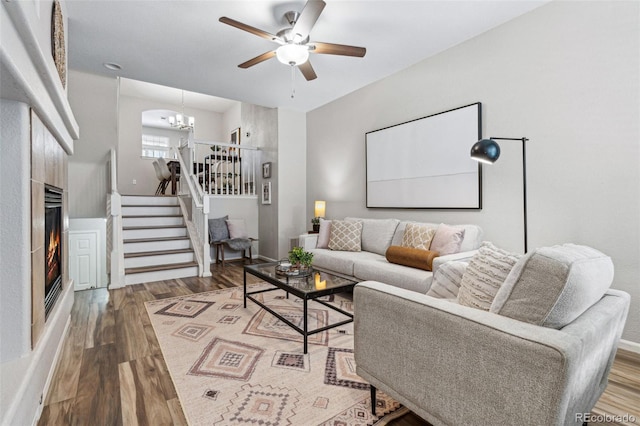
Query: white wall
{"x": 566, "y": 76}
{"x": 292, "y": 182}
{"x": 29, "y": 80}
{"x": 130, "y": 163}
{"x": 95, "y": 101}
{"x": 231, "y": 120}
{"x": 15, "y": 226}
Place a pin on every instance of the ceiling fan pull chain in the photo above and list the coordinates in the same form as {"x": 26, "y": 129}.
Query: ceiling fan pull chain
{"x": 293, "y": 81}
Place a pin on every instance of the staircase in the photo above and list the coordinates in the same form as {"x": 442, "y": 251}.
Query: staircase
{"x": 156, "y": 243}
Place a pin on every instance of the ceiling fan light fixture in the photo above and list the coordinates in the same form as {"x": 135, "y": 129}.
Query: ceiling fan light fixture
{"x": 292, "y": 54}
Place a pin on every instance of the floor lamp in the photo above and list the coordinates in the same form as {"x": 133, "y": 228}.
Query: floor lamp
{"x": 488, "y": 151}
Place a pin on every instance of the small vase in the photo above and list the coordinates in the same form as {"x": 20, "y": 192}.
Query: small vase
{"x": 316, "y": 228}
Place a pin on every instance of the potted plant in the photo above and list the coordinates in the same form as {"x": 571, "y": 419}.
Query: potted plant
{"x": 316, "y": 224}
{"x": 300, "y": 259}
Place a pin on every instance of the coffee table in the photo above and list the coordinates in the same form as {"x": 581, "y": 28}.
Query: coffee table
{"x": 303, "y": 287}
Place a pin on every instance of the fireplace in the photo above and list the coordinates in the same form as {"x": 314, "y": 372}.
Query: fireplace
{"x": 53, "y": 246}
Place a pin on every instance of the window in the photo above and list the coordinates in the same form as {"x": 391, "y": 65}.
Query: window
{"x": 155, "y": 146}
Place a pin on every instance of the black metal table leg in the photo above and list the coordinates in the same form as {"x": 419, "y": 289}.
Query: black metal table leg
{"x": 245, "y": 288}
{"x": 304, "y": 324}
{"x": 373, "y": 399}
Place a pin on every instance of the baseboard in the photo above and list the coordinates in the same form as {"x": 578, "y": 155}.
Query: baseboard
{"x": 113, "y": 286}
{"x": 630, "y": 346}
{"x": 266, "y": 259}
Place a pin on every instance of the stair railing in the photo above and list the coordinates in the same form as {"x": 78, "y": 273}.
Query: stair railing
{"x": 208, "y": 170}
{"x": 197, "y": 217}
{"x": 225, "y": 169}
{"x": 115, "y": 244}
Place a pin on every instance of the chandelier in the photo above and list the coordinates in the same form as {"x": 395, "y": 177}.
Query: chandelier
{"x": 181, "y": 121}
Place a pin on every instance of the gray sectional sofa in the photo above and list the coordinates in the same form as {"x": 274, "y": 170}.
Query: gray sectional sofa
{"x": 540, "y": 355}
{"x": 371, "y": 263}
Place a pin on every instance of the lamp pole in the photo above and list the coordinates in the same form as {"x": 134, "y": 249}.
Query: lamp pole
{"x": 524, "y": 182}
{"x": 488, "y": 151}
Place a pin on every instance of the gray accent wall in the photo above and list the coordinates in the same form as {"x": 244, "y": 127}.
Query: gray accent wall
{"x": 261, "y": 124}
{"x": 564, "y": 75}
{"x": 281, "y": 136}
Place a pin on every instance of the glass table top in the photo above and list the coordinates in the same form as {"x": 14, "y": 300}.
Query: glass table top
{"x": 316, "y": 281}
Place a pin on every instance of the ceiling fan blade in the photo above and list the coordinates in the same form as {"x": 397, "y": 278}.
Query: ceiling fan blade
{"x": 307, "y": 70}
{"x": 308, "y": 18}
{"x": 337, "y": 49}
{"x": 248, "y": 28}
{"x": 258, "y": 59}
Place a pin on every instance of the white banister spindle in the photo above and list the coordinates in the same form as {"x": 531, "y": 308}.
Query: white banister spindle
{"x": 226, "y": 169}
{"x": 115, "y": 244}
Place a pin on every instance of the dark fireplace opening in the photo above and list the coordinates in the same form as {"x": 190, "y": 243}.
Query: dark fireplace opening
{"x": 53, "y": 246}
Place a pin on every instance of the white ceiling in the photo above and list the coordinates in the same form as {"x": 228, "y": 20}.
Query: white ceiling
{"x": 180, "y": 43}
{"x": 170, "y": 95}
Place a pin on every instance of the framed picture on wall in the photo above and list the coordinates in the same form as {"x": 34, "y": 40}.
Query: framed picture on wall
{"x": 235, "y": 139}
{"x": 425, "y": 163}
{"x": 266, "y": 193}
{"x": 266, "y": 170}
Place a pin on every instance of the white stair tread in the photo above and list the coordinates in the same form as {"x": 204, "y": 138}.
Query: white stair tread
{"x": 157, "y": 253}
{"x": 129, "y": 228}
{"x": 165, "y": 267}
{"x": 152, "y": 240}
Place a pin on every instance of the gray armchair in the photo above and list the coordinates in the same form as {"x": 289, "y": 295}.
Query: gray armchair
{"x": 456, "y": 365}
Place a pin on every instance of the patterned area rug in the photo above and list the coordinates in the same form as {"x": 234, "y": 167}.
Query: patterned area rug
{"x": 236, "y": 366}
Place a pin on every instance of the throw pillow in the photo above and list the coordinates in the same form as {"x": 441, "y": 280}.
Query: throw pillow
{"x": 486, "y": 272}
{"x": 447, "y": 239}
{"x": 376, "y": 233}
{"x": 552, "y": 286}
{"x": 447, "y": 279}
{"x": 345, "y": 236}
{"x": 323, "y": 235}
{"x": 413, "y": 257}
{"x": 218, "y": 230}
{"x": 237, "y": 228}
{"x": 418, "y": 235}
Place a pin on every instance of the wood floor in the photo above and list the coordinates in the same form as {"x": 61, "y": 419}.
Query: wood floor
{"x": 111, "y": 370}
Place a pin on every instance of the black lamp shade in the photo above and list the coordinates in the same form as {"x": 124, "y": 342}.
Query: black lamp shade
{"x": 485, "y": 151}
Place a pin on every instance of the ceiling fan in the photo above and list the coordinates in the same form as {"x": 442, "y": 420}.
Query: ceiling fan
{"x": 294, "y": 40}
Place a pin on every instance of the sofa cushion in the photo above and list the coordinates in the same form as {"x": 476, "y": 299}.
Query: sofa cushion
{"x": 448, "y": 239}
{"x": 324, "y": 234}
{"x": 379, "y": 269}
{"x": 552, "y": 286}
{"x": 376, "y": 233}
{"x": 409, "y": 256}
{"x": 447, "y": 279}
{"x": 418, "y": 235}
{"x": 345, "y": 236}
{"x": 339, "y": 261}
{"x": 486, "y": 272}
{"x": 218, "y": 229}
